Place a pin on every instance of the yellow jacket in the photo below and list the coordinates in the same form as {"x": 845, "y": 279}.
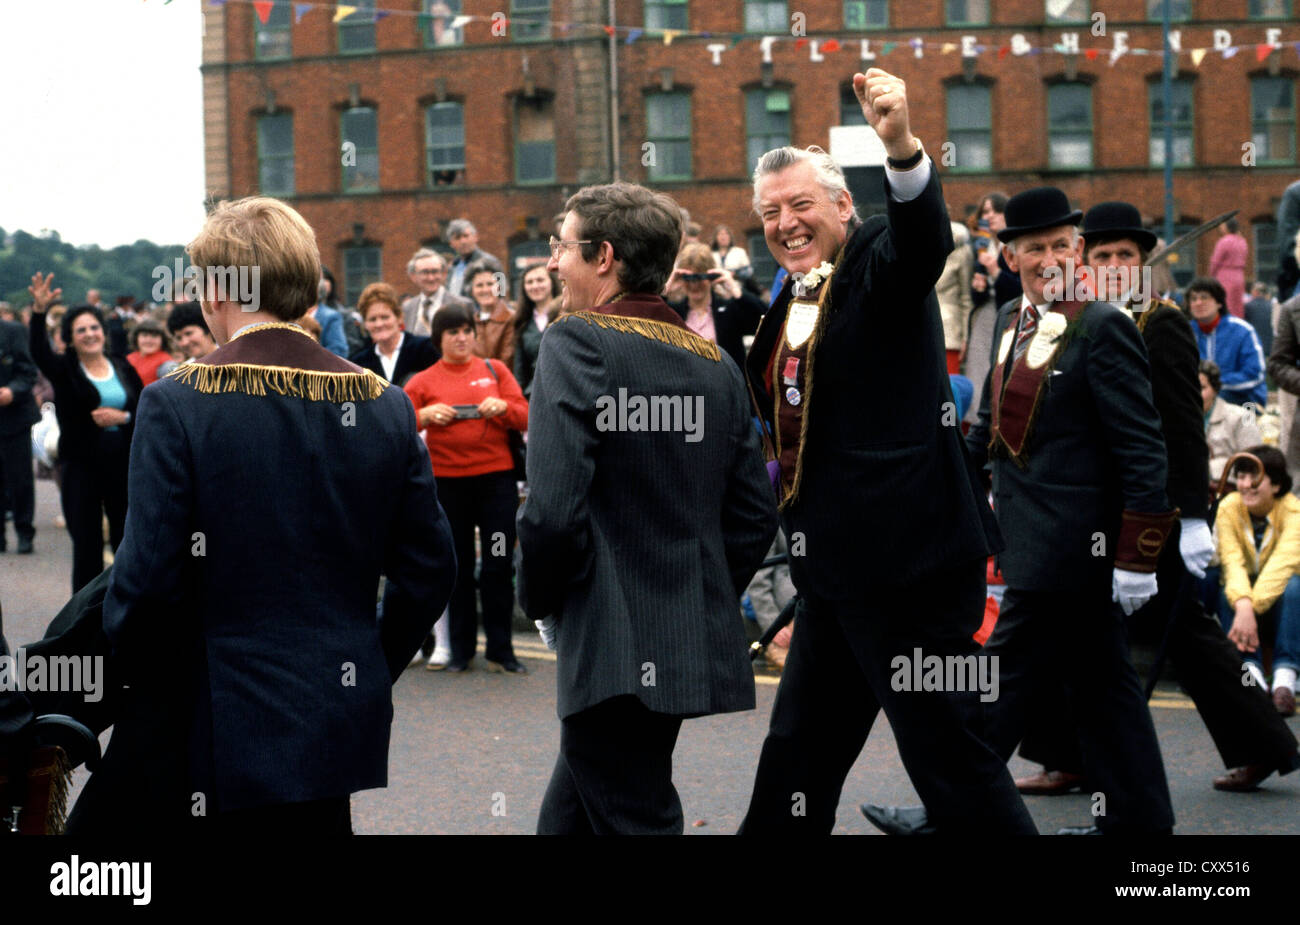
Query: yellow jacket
{"x": 1262, "y": 577}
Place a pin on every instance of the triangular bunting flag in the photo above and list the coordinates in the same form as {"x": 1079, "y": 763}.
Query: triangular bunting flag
{"x": 736, "y": 39}
{"x": 888, "y": 47}
{"x": 916, "y": 47}
{"x": 632, "y": 36}
{"x": 799, "y": 44}
{"x": 300, "y": 10}
{"x": 1004, "y": 51}
{"x": 948, "y": 48}
{"x": 1091, "y": 54}
{"x": 1262, "y": 52}
{"x": 609, "y": 30}
{"x": 670, "y": 34}
{"x": 1198, "y": 55}
{"x": 382, "y": 14}
{"x": 217, "y": 3}
{"x": 460, "y": 22}
{"x": 263, "y": 8}
{"x": 1230, "y": 51}
{"x": 342, "y": 12}
{"x": 831, "y": 45}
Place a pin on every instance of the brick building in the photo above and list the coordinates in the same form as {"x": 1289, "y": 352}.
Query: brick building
{"x": 380, "y": 132}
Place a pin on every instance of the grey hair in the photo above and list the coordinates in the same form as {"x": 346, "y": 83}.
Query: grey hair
{"x": 459, "y": 226}
{"x": 420, "y": 255}
{"x": 829, "y": 174}
{"x": 1014, "y": 244}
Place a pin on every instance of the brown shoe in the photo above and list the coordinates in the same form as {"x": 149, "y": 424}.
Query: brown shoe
{"x": 1050, "y": 783}
{"x": 1243, "y": 779}
{"x": 1284, "y": 700}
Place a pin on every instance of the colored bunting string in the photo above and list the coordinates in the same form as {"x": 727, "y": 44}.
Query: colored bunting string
{"x": 869, "y": 48}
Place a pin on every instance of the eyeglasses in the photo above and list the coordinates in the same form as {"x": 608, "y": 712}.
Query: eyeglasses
{"x": 556, "y": 244}
{"x": 438, "y": 272}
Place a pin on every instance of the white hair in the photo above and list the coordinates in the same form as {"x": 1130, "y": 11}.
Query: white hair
{"x": 420, "y": 255}
{"x": 460, "y": 226}
{"x": 827, "y": 171}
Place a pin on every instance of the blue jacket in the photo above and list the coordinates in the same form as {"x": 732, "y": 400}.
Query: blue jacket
{"x": 1234, "y": 345}
{"x": 332, "y": 337}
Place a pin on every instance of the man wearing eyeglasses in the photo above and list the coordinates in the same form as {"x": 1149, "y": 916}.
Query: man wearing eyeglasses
{"x": 428, "y": 271}
{"x": 647, "y": 516}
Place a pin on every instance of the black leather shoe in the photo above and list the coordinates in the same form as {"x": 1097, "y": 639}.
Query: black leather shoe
{"x": 898, "y": 820}
{"x": 457, "y": 665}
{"x": 512, "y": 666}
{"x": 25, "y": 546}
{"x": 1079, "y": 830}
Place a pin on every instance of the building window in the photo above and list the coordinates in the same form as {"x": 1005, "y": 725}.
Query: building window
{"x": 1272, "y": 119}
{"x": 760, "y": 258}
{"x": 438, "y": 32}
{"x": 766, "y": 16}
{"x": 1268, "y": 9}
{"x": 970, "y": 126}
{"x": 665, "y": 14}
{"x": 1069, "y": 125}
{"x": 1179, "y": 10}
{"x": 1067, "y": 11}
{"x": 534, "y": 140}
{"x": 1181, "y": 97}
{"x": 1264, "y": 234}
{"x": 275, "y": 155}
{"x": 357, "y": 32}
{"x": 866, "y": 14}
{"x": 360, "y": 150}
{"x": 850, "y": 108}
{"x": 767, "y": 123}
{"x": 668, "y": 129}
{"x": 968, "y": 12}
{"x": 361, "y": 267}
{"x": 530, "y": 20}
{"x": 271, "y": 39}
{"x": 444, "y": 140}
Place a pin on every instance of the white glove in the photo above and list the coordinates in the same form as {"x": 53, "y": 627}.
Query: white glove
{"x": 1132, "y": 589}
{"x": 1195, "y": 545}
{"x": 547, "y": 630}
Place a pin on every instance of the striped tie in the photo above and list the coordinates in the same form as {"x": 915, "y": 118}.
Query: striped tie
{"x": 1028, "y": 325}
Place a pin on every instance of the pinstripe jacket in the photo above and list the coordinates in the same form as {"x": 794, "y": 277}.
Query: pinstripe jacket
{"x": 647, "y": 515}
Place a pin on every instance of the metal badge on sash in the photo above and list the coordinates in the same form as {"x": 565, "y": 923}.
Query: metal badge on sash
{"x": 800, "y": 322}
{"x": 792, "y": 395}
{"x": 790, "y": 375}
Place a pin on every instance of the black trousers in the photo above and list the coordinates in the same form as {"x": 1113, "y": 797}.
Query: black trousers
{"x": 1081, "y": 640}
{"x": 1241, "y": 719}
{"x": 841, "y": 673}
{"x": 614, "y": 775}
{"x": 488, "y": 502}
{"x": 91, "y": 489}
{"x": 17, "y": 483}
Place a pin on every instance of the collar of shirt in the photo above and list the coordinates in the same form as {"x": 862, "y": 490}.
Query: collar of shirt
{"x": 235, "y": 333}
{"x": 1039, "y": 310}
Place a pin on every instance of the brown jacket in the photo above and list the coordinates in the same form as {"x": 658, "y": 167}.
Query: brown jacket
{"x": 496, "y": 335}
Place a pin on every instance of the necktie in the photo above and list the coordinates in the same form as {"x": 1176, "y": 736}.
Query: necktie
{"x": 1028, "y": 325}
{"x": 424, "y": 315}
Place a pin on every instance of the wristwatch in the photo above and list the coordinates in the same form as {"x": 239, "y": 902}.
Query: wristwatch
{"x": 908, "y": 163}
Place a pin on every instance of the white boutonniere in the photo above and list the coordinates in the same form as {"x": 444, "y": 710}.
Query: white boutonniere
{"x": 814, "y": 277}
{"x": 1053, "y": 325}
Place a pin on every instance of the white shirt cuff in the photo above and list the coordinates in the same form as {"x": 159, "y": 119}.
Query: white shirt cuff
{"x": 906, "y": 185}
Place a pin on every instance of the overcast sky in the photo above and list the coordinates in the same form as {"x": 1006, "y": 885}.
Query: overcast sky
{"x": 102, "y": 107}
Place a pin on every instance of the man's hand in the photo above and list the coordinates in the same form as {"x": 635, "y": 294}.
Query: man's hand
{"x": 1131, "y": 590}
{"x": 988, "y": 259}
{"x": 547, "y": 630}
{"x": 1195, "y": 545}
{"x": 1245, "y": 628}
{"x": 42, "y": 295}
{"x": 883, "y": 98}
{"x": 6, "y": 396}
{"x": 725, "y": 283}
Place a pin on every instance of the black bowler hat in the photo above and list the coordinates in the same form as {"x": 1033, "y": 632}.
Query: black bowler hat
{"x": 1117, "y": 220}
{"x": 1036, "y": 209}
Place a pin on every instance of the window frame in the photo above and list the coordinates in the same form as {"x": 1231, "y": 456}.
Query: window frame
{"x": 950, "y": 21}
{"x": 426, "y": 37}
{"x": 286, "y": 29}
{"x": 865, "y": 4}
{"x": 1153, "y": 15}
{"x": 514, "y": 148}
{"x": 343, "y": 168}
{"x": 429, "y": 147}
{"x": 665, "y": 7}
{"x": 1260, "y": 17}
{"x": 659, "y": 140}
{"x": 350, "y": 295}
{"x": 751, "y": 164}
{"x": 1092, "y": 133}
{"x": 290, "y": 157}
{"x": 765, "y": 30}
{"x": 987, "y": 88}
{"x": 1290, "y": 85}
{"x": 362, "y": 18}
{"x": 1153, "y": 92}
{"x": 534, "y": 30}
{"x": 1049, "y": 20}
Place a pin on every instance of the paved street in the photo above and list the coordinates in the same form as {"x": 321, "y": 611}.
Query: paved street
{"x": 466, "y": 745}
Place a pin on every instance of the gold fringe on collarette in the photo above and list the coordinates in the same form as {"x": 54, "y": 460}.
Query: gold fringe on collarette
{"x": 254, "y": 379}
{"x": 823, "y": 309}
{"x": 655, "y": 330}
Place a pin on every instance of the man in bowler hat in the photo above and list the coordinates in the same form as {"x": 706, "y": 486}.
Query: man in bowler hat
{"x": 1079, "y": 470}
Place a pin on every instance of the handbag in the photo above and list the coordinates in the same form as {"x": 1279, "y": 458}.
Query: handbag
{"x": 518, "y": 450}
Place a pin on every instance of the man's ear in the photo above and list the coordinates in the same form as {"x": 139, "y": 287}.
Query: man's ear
{"x": 1009, "y": 255}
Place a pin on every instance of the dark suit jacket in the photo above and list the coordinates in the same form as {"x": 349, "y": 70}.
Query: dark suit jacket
{"x": 641, "y": 543}
{"x": 1094, "y": 451}
{"x": 1176, "y": 391}
{"x": 75, "y": 396}
{"x": 888, "y": 493}
{"x": 732, "y": 320}
{"x": 241, "y": 609}
{"x": 415, "y": 355}
{"x": 18, "y": 373}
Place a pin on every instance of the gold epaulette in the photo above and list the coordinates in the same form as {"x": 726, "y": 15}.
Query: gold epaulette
{"x": 655, "y": 330}
{"x": 254, "y": 379}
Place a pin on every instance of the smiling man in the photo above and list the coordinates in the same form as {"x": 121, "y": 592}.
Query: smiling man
{"x": 888, "y": 527}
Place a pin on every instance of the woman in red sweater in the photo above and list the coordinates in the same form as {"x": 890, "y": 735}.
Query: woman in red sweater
{"x": 467, "y": 410}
